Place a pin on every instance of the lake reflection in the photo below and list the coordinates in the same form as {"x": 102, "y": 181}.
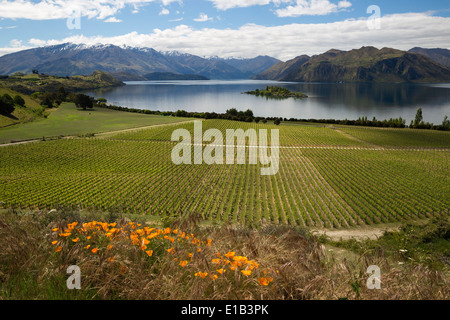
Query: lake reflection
{"x": 325, "y": 101}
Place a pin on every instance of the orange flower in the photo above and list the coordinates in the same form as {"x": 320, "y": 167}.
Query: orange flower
{"x": 171, "y": 250}
{"x": 58, "y": 249}
{"x": 221, "y": 271}
{"x": 190, "y": 255}
{"x": 109, "y": 247}
{"x": 94, "y": 250}
{"x": 88, "y": 246}
{"x": 54, "y": 242}
{"x": 202, "y": 275}
{"x": 56, "y": 229}
{"x": 216, "y": 261}
{"x": 265, "y": 281}
{"x": 65, "y": 234}
{"x": 183, "y": 263}
{"x": 149, "y": 253}
{"x": 214, "y": 276}
{"x": 151, "y": 236}
{"x": 75, "y": 240}
{"x": 240, "y": 259}
{"x": 230, "y": 255}
{"x": 246, "y": 272}
{"x": 208, "y": 242}
{"x": 110, "y": 259}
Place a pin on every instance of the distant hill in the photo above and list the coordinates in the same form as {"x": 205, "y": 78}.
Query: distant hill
{"x": 172, "y": 76}
{"x": 31, "y": 83}
{"x": 441, "y": 56}
{"x": 282, "y": 69}
{"x": 125, "y": 63}
{"x": 250, "y": 67}
{"x": 364, "y": 64}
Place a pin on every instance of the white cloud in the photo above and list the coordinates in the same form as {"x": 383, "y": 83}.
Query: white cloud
{"x": 62, "y": 9}
{"x": 164, "y": 12}
{"x": 113, "y": 20}
{"x": 15, "y": 43}
{"x": 229, "y": 4}
{"x": 312, "y": 8}
{"x": 400, "y": 31}
{"x": 203, "y": 17}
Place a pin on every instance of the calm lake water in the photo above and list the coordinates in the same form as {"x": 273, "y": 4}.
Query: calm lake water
{"x": 325, "y": 101}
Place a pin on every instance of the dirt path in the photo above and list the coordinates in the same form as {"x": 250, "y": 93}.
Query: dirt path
{"x": 359, "y": 233}
{"x": 142, "y": 128}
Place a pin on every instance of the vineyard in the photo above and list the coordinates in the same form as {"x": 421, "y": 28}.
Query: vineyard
{"x": 328, "y": 177}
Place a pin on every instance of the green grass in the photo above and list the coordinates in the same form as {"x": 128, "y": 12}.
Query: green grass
{"x": 68, "y": 121}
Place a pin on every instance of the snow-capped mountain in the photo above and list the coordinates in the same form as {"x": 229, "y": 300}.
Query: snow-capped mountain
{"x": 69, "y": 59}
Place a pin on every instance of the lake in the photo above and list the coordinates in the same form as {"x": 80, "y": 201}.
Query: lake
{"x": 325, "y": 100}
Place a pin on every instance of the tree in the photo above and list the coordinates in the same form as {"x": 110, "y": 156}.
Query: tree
{"x": 47, "y": 99}
{"x": 35, "y": 71}
{"x": 19, "y": 101}
{"x": 446, "y": 123}
{"x": 419, "y": 118}
{"x": 83, "y": 101}
{"x": 248, "y": 113}
{"x": 277, "y": 121}
{"x": 232, "y": 112}
{"x": 6, "y": 104}
{"x": 61, "y": 95}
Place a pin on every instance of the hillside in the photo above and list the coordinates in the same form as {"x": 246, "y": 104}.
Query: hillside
{"x": 364, "y": 64}
{"x": 31, "y": 83}
{"x": 441, "y": 56}
{"x": 29, "y": 112}
{"x": 282, "y": 69}
{"x": 127, "y": 62}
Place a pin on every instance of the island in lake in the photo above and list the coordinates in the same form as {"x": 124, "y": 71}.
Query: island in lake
{"x": 277, "y": 92}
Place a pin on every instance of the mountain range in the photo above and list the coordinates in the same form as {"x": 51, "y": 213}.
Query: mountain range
{"x": 364, "y": 64}
{"x": 130, "y": 63}
{"x": 127, "y": 63}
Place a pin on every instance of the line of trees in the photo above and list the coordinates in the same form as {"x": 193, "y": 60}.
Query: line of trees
{"x": 8, "y": 104}
{"x": 248, "y": 116}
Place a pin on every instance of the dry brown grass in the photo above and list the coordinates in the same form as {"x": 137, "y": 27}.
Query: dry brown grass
{"x": 298, "y": 263}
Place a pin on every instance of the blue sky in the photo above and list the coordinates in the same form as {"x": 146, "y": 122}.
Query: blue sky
{"x": 245, "y": 28}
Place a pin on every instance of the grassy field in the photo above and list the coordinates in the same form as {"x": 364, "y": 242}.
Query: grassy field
{"x": 327, "y": 178}
{"x": 69, "y": 121}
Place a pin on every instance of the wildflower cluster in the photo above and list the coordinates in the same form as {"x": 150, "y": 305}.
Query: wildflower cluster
{"x": 230, "y": 262}
{"x": 101, "y": 238}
